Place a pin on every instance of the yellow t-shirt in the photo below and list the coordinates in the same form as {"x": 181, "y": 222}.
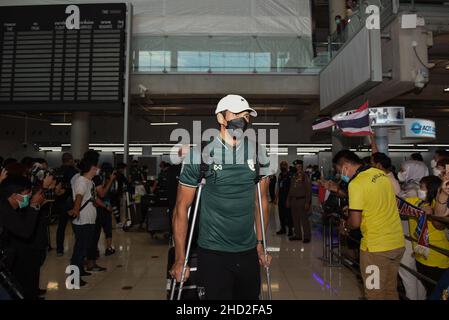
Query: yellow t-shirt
{"x": 371, "y": 192}
{"x": 437, "y": 238}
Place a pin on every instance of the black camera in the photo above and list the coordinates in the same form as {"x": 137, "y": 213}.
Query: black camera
{"x": 38, "y": 174}
{"x": 49, "y": 194}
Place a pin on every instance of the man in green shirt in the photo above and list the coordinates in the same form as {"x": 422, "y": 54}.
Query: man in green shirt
{"x": 230, "y": 245}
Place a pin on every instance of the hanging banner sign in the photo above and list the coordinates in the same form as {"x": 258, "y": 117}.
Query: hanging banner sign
{"x": 381, "y": 116}
{"x": 419, "y": 128}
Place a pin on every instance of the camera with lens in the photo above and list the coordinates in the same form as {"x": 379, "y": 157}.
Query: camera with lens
{"x": 38, "y": 175}
{"x": 49, "y": 194}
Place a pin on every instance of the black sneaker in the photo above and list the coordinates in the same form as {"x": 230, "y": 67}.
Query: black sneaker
{"x": 96, "y": 268}
{"x": 59, "y": 254}
{"x": 290, "y": 233}
{"x": 84, "y": 273}
{"x": 306, "y": 241}
{"x": 82, "y": 283}
{"x": 282, "y": 231}
{"x": 294, "y": 238}
{"x": 41, "y": 292}
{"x": 109, "y": 251}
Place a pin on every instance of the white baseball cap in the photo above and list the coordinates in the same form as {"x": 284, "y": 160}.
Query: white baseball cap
{"x": 235, "y": 104}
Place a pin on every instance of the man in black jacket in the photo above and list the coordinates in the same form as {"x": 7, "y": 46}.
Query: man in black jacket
{"x": 19, "y": 214}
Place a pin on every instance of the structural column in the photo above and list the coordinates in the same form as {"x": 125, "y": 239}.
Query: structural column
{"x": 382, "y": 139}
{"x": 337, "y": 142}
{"x": 79, "y": 136}
{"x": 147, "y": 151}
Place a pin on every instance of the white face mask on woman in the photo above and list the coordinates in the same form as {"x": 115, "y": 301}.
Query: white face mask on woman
{"x": 422, "y": 195}
{"x": 401, "y": 176}
{"x": 433, "y": 163}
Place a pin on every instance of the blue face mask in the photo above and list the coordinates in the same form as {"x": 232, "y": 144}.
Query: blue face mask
{"x": 344, "y": 177}
{"x": 25, "y": 201}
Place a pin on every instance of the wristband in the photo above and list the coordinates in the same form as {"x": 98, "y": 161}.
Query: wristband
{"x": 260, "y": 242}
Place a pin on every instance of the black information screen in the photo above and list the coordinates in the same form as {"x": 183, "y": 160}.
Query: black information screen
{"x": 47, "y": 65}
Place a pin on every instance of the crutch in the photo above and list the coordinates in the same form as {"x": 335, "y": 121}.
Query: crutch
{"x": 264, "y": 240}
{"x": 189, "y": 243}
{"x": 173, "y": 280}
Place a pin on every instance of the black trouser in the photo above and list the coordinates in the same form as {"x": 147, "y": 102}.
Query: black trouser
{"x": 60, "y": 232}
{"x": 434, "y": 273}
{"x": 285, "y": 216}
{"x": 25, "y": 269}
{"x": 103, "y": 221}
{"x": 83, "y": 239}
{"x": 229, "y": 276}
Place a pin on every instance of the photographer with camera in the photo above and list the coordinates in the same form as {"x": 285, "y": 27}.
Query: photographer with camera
{"x": 103, "y": 183}
{"x": 19, "y": 216}
{"x": 43, "y": 179}
{"x": 63, "y": 175}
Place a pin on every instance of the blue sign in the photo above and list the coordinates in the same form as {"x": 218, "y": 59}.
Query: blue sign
{"x": 416, "y": 128}
{"x": 419, "y": 129}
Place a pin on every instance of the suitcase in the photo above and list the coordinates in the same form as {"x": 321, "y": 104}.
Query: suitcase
{"x": 158, "y": 219}
{"x": 190, "y": 290}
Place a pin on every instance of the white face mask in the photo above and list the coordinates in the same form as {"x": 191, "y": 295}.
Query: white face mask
{"x": 401, "y": 177}
{"x": 433, "y": 163}
{"x": 422, "y": 195}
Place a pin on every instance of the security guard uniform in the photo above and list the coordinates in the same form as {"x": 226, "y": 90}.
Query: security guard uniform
{"x": 300, "y": 194}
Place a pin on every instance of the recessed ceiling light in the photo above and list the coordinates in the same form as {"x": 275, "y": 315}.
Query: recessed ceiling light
{"x": 61, "y": 124}
{"x": 164, "y": 123}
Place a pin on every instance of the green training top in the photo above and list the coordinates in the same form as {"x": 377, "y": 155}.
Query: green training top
{"x": 226, "y": 220}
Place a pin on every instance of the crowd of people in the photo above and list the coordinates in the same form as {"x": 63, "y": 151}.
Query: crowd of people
{"x": 389, "y": 240}
{"x": 32, "y": 195}
{"x": 364, "y": 192}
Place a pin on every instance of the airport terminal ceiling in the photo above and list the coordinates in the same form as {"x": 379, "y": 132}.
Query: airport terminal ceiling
{"x": 297, "y": 109}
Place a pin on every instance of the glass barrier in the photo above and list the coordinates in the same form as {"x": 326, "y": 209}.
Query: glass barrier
{"x": 228, "y": 54}
{"x": 251, "y": 54}
{"x": 356, "y": 20}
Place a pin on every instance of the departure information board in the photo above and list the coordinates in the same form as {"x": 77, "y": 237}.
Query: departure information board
{"x": 62, "y": 57}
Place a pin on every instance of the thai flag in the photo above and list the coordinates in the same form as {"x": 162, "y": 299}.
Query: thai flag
{"x": 322, "y": 123}
{"x": 356, "y": 123}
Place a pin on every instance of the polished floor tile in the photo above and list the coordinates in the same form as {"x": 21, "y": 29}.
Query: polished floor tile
{"x": 138, "y": 270}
